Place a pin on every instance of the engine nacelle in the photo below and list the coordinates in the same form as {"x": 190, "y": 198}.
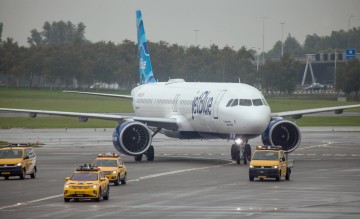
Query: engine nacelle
{"x": 282, "y": 132}
{"x": 132, "y": 138}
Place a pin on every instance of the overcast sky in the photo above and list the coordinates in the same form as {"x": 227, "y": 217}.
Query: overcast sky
{"x": 235, "y": 23}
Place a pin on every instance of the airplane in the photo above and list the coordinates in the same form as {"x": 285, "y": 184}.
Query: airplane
{"x": 193, "y": 110}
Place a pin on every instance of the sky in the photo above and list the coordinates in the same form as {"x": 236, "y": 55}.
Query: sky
{"x": 233, "y": 23}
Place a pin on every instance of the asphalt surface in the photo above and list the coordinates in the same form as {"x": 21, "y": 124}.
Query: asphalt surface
{"x": 189, "y": 179}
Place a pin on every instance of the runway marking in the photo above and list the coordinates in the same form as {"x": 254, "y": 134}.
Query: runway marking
{"x": 326, "y": 144}
{"x": 133, "y": 180}
{"x": 176, "y": 172}
{"x": 29, "y": 202}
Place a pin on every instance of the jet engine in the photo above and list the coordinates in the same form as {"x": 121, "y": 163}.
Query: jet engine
{"x": 132, "y": 138}
{"x": 283, "y": 133}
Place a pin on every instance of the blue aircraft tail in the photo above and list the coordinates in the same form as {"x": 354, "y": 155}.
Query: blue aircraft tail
{"x": 146, "y": 73}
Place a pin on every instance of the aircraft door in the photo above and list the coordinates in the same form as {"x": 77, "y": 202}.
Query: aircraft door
{"x": 216, "y": 103}
{"x": 175, "y": 103}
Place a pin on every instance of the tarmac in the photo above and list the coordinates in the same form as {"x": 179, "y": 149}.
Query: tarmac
{"x": 189, "y": 179}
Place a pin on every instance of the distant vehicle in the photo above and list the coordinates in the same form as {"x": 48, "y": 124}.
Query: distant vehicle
{"x": 269, "y": 162}
{"x": 315, "y": 86}
{"x": 17, "y": 160}
{"x": 86, "y": 182}
{"x": 112, "y": 166}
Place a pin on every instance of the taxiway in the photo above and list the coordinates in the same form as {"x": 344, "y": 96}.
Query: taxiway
{"x": 189, "y": 179}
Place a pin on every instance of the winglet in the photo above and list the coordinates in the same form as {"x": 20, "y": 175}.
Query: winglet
{"x": 146, "y": 73}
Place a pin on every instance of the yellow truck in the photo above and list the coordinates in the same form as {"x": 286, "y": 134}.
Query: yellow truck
{"x": 86, "y": 182}
{"x": 269, "y": 162}
{"x": 17, "y": 160}
{"x": 113, "y": 167}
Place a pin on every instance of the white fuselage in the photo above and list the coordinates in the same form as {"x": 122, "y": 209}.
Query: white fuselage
{"x": 204, "y": 107}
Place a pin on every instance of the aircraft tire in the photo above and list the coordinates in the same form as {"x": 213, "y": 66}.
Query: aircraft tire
{"x": 287, "y": 176}
{"x": 247, "y": 152}
{"x": 150, "y": 153}
{"x": 138, "y": 157}
{"x": 233, "y": 151}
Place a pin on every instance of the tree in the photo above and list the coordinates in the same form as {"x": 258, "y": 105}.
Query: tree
{"x": 1, "y": 30}
{"x": 58, "y": 33}
{"x": 279, "y": 75}
{"x": 348, "y": 77}
{"x": 11, "y": 56}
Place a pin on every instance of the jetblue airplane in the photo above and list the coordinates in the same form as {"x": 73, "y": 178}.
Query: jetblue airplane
{"x": 194, "y": 110}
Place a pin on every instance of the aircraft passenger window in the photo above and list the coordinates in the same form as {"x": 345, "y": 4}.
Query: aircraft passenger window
{"x": 245, "y": 102}
{"x": 235, "y": 103}
{"x": 229, "y": 103}
{"x": 257, "y": 102}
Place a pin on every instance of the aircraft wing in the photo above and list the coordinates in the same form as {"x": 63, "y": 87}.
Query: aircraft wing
{"x": 165, "y": 123}
{"x": 297, "y": 114}
{"x": 101, "y": 94}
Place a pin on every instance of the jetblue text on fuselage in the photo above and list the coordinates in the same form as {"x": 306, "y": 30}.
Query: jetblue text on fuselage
{"x": 201, "y": 104}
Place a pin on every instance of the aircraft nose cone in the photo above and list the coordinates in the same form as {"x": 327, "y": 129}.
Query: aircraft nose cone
{"x": 256, "y": 123}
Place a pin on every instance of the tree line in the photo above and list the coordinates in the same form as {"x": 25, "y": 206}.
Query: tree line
{"x": 61, "y": 56}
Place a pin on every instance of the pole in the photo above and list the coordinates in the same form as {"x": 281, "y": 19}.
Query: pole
{"x": 196, "y": 31}
{"x": 282, "y": 39}
{"x": 335, "y": 70}
{"x": 351, "y": 16}
{"x": 263, "y": 21}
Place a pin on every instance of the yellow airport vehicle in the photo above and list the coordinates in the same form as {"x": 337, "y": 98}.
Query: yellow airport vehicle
{"x": 113, "y": 167}
{"x": 269, "y": 162}
{"x": 17, "y": 160}
{"x": 86, "y": 182}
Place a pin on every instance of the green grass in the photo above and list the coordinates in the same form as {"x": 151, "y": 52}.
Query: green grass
{"x": 280, "y": 105}
{"x": 56, "y": 100}
{"x": 329, "y": 121}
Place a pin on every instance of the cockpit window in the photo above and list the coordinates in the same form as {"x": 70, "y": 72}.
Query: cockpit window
{"x": 229, "y": 103}
{"x": 257, "y": 102}
{"x": 265, "y": 103}
{"x": 235, "y": 103}
{"x": 245, "y": 102}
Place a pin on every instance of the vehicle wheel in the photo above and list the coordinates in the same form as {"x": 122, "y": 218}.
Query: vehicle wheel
{"x": 107, "y": 195}
{"x": 123, "y": 181}
{"x": 278, "y": 177}
{"x": 233, "y": 152}
{"x": 22, "y": 176}
{"x": 287, "y": 176}
{"x": 247, "y": 152}
{"x": 33, "y": 175}
{"x": 66, "y": 199}
{"x": 6, "y": 177}
{"x": 117, "y": 182}
{"x": 150, "y": 153}
{"x": 138, "y": 157}
{"x": 251, "y": 178}
{"x": 99, "y": 196}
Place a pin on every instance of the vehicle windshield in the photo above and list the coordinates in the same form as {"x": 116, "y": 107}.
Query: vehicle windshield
{"x": 265, "y": 155}
{"x": 85, "y": 176}
{"x": 5, "y": 154}
{"x": 105, "y": 163}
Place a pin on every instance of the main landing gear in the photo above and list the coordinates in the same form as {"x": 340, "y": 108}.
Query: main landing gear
{"x": 150, "y": 154}
{"x": 241, "y": 151}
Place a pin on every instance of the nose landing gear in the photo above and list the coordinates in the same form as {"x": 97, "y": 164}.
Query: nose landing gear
{"x": 241, "y": 152}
